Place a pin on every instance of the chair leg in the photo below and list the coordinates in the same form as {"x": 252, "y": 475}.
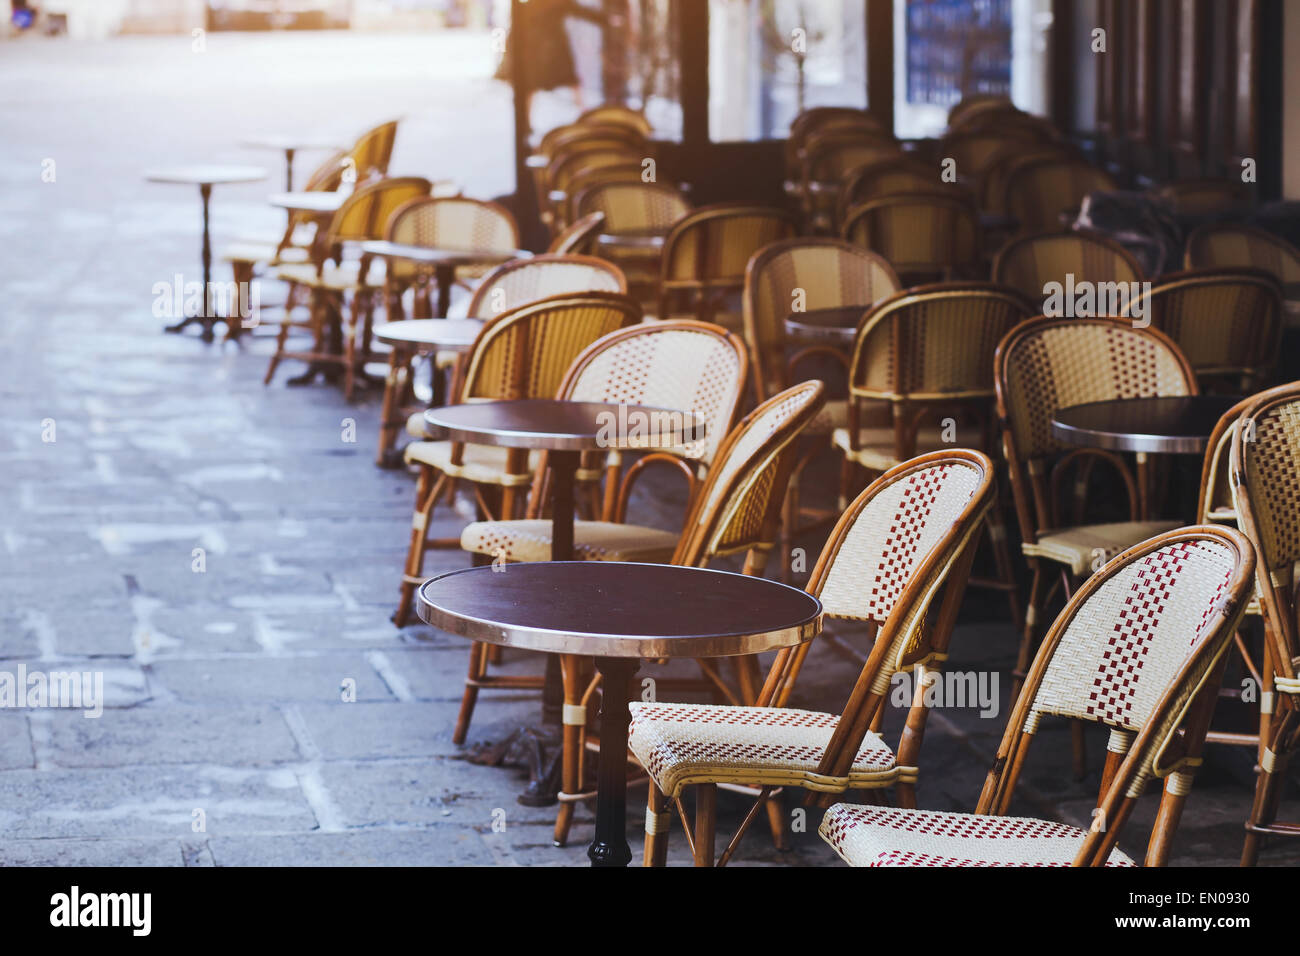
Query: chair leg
{"x": 477, "y": 665}
{"x": 657, "y": 822}
{"x": 996, "y": 527}
{"x": 281, "y": 338}
{"x": 1268, "y": 788}
{"x": 776, "y": 823}
{"x": 575, "y": 725}
{"x": 427, "y": 490}
{"x": 1028, "y": 639}
{"x": 706, "y": 818}
{"x": 350, "y": 345}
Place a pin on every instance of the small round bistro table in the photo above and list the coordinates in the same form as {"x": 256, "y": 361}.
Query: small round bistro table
{"x": 1166, "y": 426}
{"x": 407, "y": 339}
{"x": 565, "y": 430}
{"x": 443, "y": 262}
{"x": 621, "y": 614}
{"x": 835, "y": 326}
{"x": 645, "y": 242}
{"x": 289, "y": 145}
{"x": 205, "y": 176}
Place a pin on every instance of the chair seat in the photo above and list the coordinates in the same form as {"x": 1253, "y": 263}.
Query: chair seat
{"x": 481, "y": 464}
{"x": 529, "y": 539}
{"x": 1076, "y": 547}
{"x": 253, "y": 251}
{"x": 683, "y": 744}
{"x": 875, "y": 450}
{"x": 886, "y": 836}
{"x": 340, "y": 278}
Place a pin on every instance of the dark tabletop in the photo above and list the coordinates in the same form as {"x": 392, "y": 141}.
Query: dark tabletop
{"x": 615, "y": 609}
{"x": 1162, "y": 425}
{"x": 839, "y": 324}
{"x": 564, "y": 426}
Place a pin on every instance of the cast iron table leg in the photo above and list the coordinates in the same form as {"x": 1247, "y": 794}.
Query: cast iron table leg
{"x": 288, "y": 170}
{"x": 206, "y": 319}
{"x": 445, "y": 277}
{"x": 564, "y": 465}
{"x": 609, "y": 848}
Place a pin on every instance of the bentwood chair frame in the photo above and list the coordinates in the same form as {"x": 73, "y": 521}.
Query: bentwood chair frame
{"x": 705, "y": 255}
{"x": 508, "y": 286}
{"x": 1080, "y": 672}
{"x": 363, "y": 215}
{"x": 926, "y": 354}
{"x": 889, "y": 177}
{"x": 518, "y": 354}
{"x": 945, "y": 244}
{"x": 616, "y": 114}
{"x": 1228, "y": 322}
{"x": 1030, "y": 260}
{"x": 370, "y": 156}
{"x": 1049, "y": 363}
{"x": 997, "y": 176}
{"x": 901, "y": 639}
{"x": 1265, "y": 479}
{"x": 579, "y": 237}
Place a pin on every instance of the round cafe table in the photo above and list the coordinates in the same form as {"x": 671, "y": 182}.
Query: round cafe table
{"x": 565, "y": 430}
{"x": 1166, "y": 426}
{"x": 443, "y": 262}
{"x": 835, "y": 326}
{"x": 632, "y": 242}
{"x": 289, "y": 145}
{"x": 407, "y": 339}
{"x": 205, "y": 176}
{"x": 619, "y": 613}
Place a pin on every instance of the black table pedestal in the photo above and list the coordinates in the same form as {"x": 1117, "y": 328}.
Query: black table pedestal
{"x": 609, "y": 848}
{"x": 207, "y": 319}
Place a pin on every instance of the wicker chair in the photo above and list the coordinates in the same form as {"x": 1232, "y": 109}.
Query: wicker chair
{"x": 830, "y": 156}
{"x": 508, "y": 286}
{"x": 996, "y": 180}
{"x": 688, "y": 366}
{"x": 623, "y": 170}
{"x": 1030, "y": 261}
{"x": 881, "y": 538}
{"x": 457, "y": 223}
{"x": 550, "y": 332}
{"x": 925, "y": 356}
{"x": 892, "y": 176}
{"x": 972, "y": 150}
{"x": 926, "y": 237}
{"x": 705, "y": 256}
{"x": 1040, "y": 190}
{"x": 579, "y": 237}
{"x": 1228, "y": 322}
{"x": 575, "y": 164}
{"x": 363, "y": 215}
{"x": 816, "y": 120}
{"x": 968, "y": 106}
{"x": 1146, "y": 676}
{"x": 635, "y": 209}
{"x": 1266, "y": 491}
{"x": 1230, "y": 246}
{"x": 1050, "y": 363}
{"x": 735, "y": 512}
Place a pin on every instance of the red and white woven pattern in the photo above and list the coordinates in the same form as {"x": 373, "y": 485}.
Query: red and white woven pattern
{"x": 884, "y": 836}
{"x": 892, "y": 535}
{"x": 756, "y": 434}
{"x": 683, "y": 744}
{"x": 678, "y": 369}
{"x": 1127, "y": 643}
{"x": 1272, "y": 470}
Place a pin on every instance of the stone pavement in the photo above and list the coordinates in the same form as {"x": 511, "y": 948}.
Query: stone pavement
{"x": 226, "y": 555}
